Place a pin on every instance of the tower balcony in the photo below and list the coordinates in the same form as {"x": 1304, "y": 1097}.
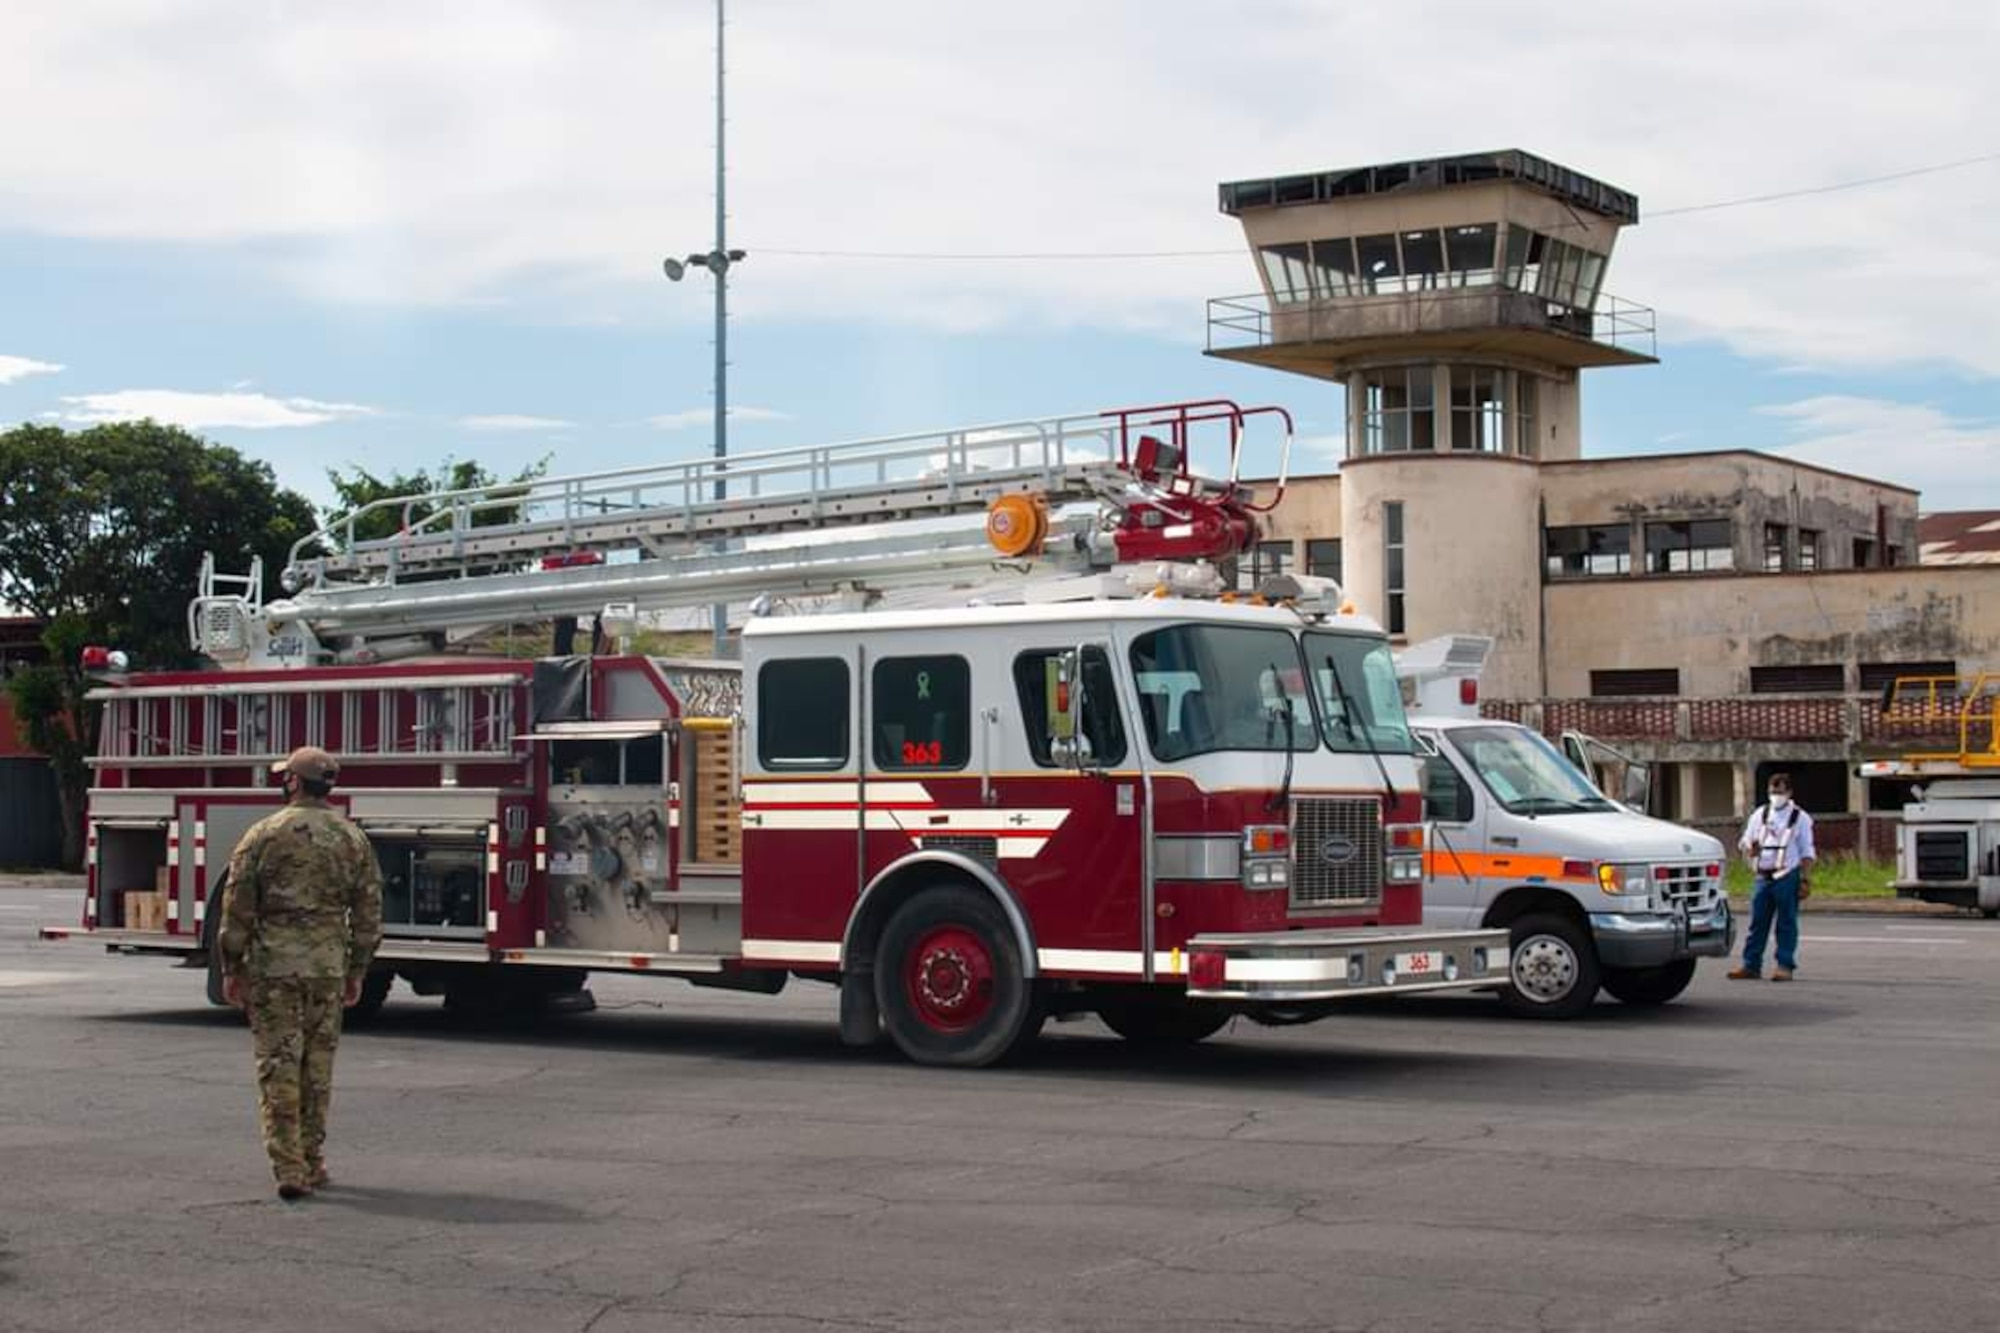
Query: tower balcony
{"x": 1328, "y": 336}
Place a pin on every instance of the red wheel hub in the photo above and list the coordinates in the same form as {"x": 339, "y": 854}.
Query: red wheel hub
{"x": 948, "y": 975}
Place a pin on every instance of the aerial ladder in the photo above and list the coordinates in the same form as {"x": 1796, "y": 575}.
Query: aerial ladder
{"x": 1066, "y": 495}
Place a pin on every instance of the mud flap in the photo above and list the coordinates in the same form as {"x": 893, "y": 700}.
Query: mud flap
{"x": 860, "y": 1018}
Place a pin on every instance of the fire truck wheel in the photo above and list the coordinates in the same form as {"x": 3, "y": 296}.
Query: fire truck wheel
{"x": 950, "y": 982}
{"x": 1161, "y": 1020}
{"x": 1646, "y": 986}
{"x": 1554, "y": 972}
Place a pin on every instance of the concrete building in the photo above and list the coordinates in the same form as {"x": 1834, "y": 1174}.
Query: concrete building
{"x": 1719, "y": 615}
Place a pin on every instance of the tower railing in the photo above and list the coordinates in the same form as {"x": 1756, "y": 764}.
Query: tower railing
{"x": 1255, "y": 320}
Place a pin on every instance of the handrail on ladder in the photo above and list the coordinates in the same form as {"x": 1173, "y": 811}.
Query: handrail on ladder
{"x": 1047, "y": 453}
{"x": 1177, "y": 418}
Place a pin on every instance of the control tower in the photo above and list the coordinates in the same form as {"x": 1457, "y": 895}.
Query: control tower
{"x": 1456, "y": 299}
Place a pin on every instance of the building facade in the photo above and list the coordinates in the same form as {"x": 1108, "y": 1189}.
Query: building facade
{"x": 1718, "y": 615}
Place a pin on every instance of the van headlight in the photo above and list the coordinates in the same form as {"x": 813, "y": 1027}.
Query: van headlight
{"x": 1632, "y": 881}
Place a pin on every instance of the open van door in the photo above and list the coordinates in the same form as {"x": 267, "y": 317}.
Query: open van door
{"x": 1618, "y": 775}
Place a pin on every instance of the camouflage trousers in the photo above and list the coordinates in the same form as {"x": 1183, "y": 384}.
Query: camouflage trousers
{"x": 295, "y": 1023}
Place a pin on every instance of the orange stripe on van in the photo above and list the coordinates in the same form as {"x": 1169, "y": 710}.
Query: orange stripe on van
{"x": 1446, "y": 864}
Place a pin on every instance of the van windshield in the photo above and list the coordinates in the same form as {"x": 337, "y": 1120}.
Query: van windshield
{"x": 1526, "y": 774}
{"x": 1204, "y": 688}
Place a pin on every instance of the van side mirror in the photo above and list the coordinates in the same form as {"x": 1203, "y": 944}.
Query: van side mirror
{"x": 1639, "y": 787}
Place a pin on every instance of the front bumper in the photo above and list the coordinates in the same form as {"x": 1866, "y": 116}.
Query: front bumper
{"x": 1294, "y": 965}
{"x": 1651, "y": 939}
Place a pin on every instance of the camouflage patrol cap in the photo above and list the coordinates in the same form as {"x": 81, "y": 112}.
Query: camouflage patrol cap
{"x": 309, "y": 762}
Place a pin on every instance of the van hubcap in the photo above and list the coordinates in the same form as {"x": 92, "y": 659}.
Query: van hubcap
{"x": 1544, "y": 969}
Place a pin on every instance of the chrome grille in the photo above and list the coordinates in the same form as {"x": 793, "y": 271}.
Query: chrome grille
{"x": 1322, "y": 830}
{"x": 1683, "y": 884}
{"x": 1944, "y": 855}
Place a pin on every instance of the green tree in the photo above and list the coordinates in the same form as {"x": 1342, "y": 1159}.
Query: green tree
{"x": 101, "y": 533}
{"x": 357, "y": 488}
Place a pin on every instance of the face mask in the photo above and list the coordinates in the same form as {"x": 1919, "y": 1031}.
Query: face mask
{"x": 1779, "y": 802}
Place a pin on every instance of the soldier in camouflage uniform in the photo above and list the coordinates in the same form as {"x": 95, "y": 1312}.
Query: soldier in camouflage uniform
{"x": 302, "y": 915}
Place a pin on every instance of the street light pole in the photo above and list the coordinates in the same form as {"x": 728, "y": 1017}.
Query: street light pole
{"x": 720, "y": 268}
{"x": 717, "y": 262}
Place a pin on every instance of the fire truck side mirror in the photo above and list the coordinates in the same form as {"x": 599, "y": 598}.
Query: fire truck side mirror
{"x": 1063, "y": 681}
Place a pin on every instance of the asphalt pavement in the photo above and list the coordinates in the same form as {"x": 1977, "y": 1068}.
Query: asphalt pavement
{"x": 1817, "y": 1156}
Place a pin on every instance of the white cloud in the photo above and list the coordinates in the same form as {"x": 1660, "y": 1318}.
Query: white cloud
{"x": 1954, "y": 462}
{"x": 508, "y": 421}
{"x": 199, "y": 411}
{"x": 379, "y": 151}
{"x": 704, "y": 416}
{"x": 20, "y": 367}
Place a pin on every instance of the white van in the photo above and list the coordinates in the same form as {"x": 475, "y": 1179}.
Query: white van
{"x": 1593, "y": 892}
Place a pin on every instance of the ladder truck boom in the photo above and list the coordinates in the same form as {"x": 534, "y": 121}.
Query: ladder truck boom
{"x": 1066, "y": 494}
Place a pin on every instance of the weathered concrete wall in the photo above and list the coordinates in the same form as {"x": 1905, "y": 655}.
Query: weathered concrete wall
{"x": 1472, "y": 552}
{"x": 1749, "y": 489}
{"x": 1715, "y": 628}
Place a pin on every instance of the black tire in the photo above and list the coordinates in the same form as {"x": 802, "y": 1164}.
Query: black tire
{"x": 1644, "y": 987}
{"x": 950, "y": 983}
{"x": 1160, "y": 1021}
{"x": 211, "y": 927}
{"x": 1553, "y": 973}
{"x": 374, "y": 992}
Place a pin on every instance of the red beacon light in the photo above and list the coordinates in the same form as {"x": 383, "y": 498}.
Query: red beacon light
{"x": 1468, "y": 690}
{"x": 573, "y": 560}
{"x": 96, "y": 657}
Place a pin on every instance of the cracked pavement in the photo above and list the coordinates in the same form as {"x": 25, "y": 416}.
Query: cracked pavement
{"x": 1823, "y": 1156}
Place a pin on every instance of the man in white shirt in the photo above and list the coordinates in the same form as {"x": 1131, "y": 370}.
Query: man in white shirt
{"x": 1778, "y": 842}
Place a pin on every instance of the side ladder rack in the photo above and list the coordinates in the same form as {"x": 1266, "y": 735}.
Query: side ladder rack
{"x": 1948, "y": 720}
{"x": 662, "y": 508}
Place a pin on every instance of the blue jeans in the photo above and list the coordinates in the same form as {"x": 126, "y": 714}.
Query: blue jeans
{"x": 1774, "y": 900}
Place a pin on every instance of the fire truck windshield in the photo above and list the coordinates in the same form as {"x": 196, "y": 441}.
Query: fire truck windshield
{"x": 1360, "y": 699}
{"x": 1204, "y": 688}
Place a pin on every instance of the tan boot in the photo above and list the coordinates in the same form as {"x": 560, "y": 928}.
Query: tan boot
{"x": 1742, "y": 974}
{"x": 1782, "y": 974}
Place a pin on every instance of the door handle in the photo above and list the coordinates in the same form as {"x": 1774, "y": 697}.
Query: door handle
{"x": 1501, "y": 840}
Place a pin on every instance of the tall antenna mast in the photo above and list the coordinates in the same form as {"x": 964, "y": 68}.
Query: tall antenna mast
{"x": 717, "y": 262}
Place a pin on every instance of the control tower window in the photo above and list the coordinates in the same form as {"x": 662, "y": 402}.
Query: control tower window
{"x": 1471, "y": 251}
{"x": 1381, "y": 271}
{"x": 1334, "y": 271}
{"x": 1423, "y": 260}
{"x": 1478, "y": 415}
{"x": 1285, "y": 270}
{"x": 1397, "y": 411}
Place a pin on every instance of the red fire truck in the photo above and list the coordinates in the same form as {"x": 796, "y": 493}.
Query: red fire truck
{"x": 1096, "y": 785}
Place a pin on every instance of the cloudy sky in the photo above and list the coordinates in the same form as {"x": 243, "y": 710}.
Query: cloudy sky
{"x": 384, "y": 233}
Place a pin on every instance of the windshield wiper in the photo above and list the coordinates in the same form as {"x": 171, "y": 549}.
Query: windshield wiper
{"x": 1348, "y": 714}
{"x": 1282, "y": 711}
{"x": 1548, "y": 805}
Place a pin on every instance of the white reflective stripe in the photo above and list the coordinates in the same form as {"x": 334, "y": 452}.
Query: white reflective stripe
{"x": 541, "y": 858}
{"x": 1286, "y": 969}
{"x": 492, "y": 852}
{"x": 760, "y": 793}
{"x": 90, "y": 905}
{"x": 492, "y": 922}
{"x": 541, "y": 939}
{"x": 1091, "y": 960}
{"x": 541, "y": 835}
{"x": 492, "y": 862}
{"x": 200, "y": 910}
{"x": 674, "y": 815}
{"x": 200, "y": 855}
{"x": 1020, "y": 849}
{"x": 794, "y": 951}
{"x": 977, "y": 820}
{"x": 173, "y": 852}
{"x": 915, "y": 824}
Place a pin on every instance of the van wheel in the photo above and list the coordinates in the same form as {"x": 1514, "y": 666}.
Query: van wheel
{"x": 950, "y": 982}
{"x": 1162, "y": 1020}
{"x": 1643, "y": 987}
{"x": 1553, "y": 972}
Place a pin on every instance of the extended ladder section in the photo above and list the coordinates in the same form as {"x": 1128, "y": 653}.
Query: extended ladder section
{"x": 1067, "y": 494}
{"x": 1952, "y": 724}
